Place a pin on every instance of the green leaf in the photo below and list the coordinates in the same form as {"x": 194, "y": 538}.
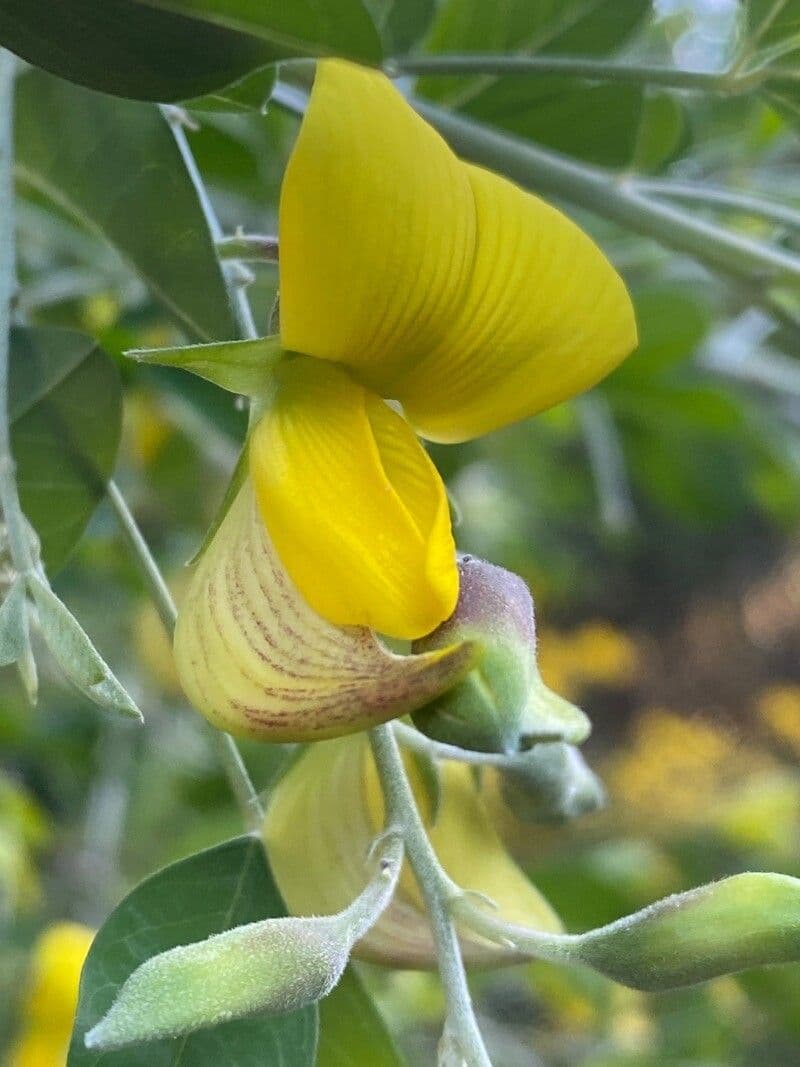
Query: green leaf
{"x": 249, "y": 94}
{"x": 401, "y": 22}
{"x": 65, "y": 406}
{"x": 76, "y": 655}
{"x": 300, "y": 28}
{"x": 213, "y": 891}
{"x": 115, "y": 167}
{"x": 13, "y": 623}
{"x": 565, "y": 27}
{"x": 242, "y": 367}
{"x": 175, "y": 49}
{"x": 128, "y": 48}
{"x": 598, "y": 123}
{"x": 662, "y": 132}
{"x": 352, "y": 1032}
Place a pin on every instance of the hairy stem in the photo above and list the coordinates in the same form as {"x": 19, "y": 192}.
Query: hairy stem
{"x": 461, "y": 1028}
{"x": 249, "y": 248}
{"x": 227, "y": 749}
{"x": 16, "y": 526}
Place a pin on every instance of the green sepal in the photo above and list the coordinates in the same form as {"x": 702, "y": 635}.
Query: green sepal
{"x": 242, "y": 367}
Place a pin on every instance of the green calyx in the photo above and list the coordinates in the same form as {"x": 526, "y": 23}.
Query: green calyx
{"x": 502, "y": 705}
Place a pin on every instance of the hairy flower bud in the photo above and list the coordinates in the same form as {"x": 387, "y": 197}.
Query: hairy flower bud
{"x": 502, "y": 705}
{"x": 269, "y": 967}
{"x": 744, "y": 921}
{"x": 550, "y": 783}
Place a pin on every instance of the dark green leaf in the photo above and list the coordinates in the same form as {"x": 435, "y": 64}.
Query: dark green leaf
{"x": 115, "y": 166}
{"x": 401, "y": 22}
{"x": 351, "y": 1030}
{"x": 127, "y": 48}
{"x": 299, "y": 28}
{"x": 175, "y": 49}
{"x": 66, "y": 412}
{"x": 250, "y": 93}
{"x": 567, "y": 27}
{"x": 210, "y": 892}
{"x": 598, "y": 123}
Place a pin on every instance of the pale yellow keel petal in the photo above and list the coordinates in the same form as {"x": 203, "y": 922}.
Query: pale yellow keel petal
{"x": 257, "y": 661}
{"x": 544, "y": 317}
{"x": 327, "y": 811}
{"x": 353, "y": 504}
{"x": 377, "y": 228}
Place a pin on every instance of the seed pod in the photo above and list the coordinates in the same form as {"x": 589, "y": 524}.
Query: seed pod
{"x": 744, "y": 921}
{"x": 268, "y": 967}
{"x": 502, "y": 705}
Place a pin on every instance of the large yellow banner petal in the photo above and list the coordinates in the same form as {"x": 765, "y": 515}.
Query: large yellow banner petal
{"x": 353, "y": 504}
{"x": 442, "y": 285}
{"x": 377, "y": 228}
{"x": 544, "y": 317}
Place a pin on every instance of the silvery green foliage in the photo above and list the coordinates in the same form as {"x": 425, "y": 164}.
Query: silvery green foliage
{"x": 74, "y": 652}
{"x": 269, "y": 967}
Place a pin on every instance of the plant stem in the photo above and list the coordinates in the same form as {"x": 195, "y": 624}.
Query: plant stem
{"x": 718, "y": 197}
{"x": 227, "y": 749}
{"x": 249, "y": 248}
{"x": 16, "y": 526}
{"x": 575, "y": 67}
{"x": 461, "y": 1027}
{"x": 235, "y": 280}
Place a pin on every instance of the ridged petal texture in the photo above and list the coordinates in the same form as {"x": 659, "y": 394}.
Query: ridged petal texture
{"x": 322, "y": 819}
{"x": 353, "y": 504}
{"x": 257, "y": 661}
{"x": 440, "y": 284}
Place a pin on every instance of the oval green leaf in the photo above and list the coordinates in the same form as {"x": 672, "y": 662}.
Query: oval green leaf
{"x": 115, "y": 167}
{"x": 65, "y": 406}
{"x": 176, "y": 49}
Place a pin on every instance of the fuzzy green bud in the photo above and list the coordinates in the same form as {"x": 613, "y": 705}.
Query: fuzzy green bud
{"x": 550, "y": 783}
{"x": 502, "y": 705}
{"x": 269, "y": 967}
{"x": 745, "y": 921}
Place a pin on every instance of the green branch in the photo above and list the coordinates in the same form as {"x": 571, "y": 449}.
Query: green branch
{"x": 718, "y": 198}
{"x": 575, "y": 67}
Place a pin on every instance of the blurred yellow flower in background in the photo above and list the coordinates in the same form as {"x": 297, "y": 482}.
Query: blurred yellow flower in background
{"x": 596, "y": 653}
{"x": 48, "y": 1009}
{"x": 779, "y": 709}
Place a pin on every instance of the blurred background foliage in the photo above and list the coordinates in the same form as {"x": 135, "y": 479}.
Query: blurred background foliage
{"x": 656, "y": 520}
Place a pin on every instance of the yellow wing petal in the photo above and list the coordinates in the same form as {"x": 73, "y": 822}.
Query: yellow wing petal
{"x": 257, "y": 661}
{"x": 544, "y": 317}
{"x": 327, "y": 811}
{"x": 438, "y": 283}
{"x": 353, "y": 504}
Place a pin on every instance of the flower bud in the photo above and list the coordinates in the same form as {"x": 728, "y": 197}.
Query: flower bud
{"x": 502, "y": 705}
{"x": 550, "y": 783}
{"x": 268, "y": 967}
{"x": 745, "y": 921}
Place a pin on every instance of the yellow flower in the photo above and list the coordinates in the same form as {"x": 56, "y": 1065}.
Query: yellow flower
{"x": 419, "y": 279}
{"x": 419, "y": 295}
{"x": 52, "y": 997}
{"x": 327, "y": 811}
{"x": 779, "y": 708}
